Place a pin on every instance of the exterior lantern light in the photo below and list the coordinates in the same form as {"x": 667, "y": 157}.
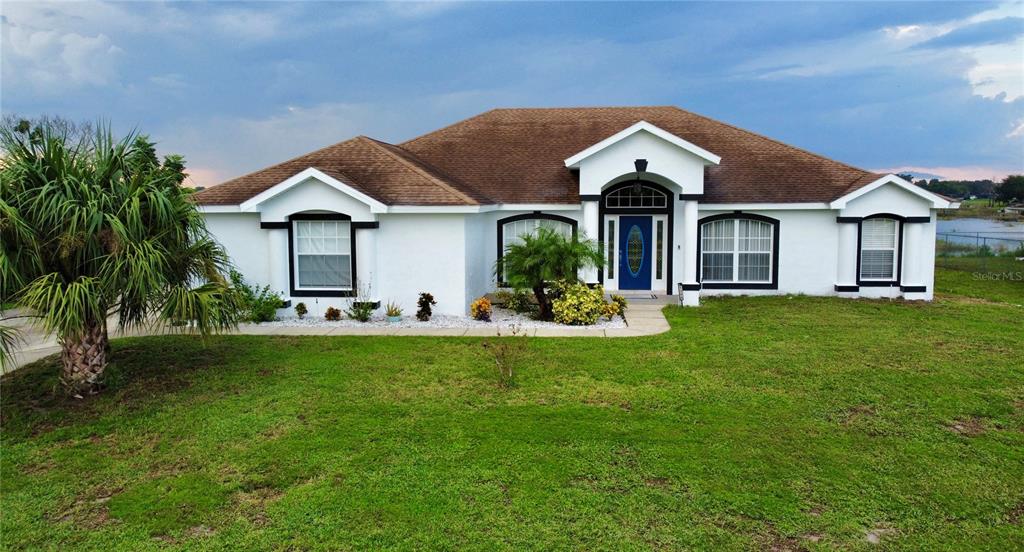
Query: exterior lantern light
{"x": 641, "y": 166}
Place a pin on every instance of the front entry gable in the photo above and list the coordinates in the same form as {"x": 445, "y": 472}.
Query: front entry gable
{"x": 670, "y": 160}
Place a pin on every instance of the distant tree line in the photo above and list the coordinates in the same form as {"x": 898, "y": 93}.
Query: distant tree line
{"x": 1010, "y": 189}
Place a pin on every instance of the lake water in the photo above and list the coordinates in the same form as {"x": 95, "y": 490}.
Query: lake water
{"x": 978, "y": 231}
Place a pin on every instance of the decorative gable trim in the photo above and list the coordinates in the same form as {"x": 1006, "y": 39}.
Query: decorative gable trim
{"x": 251, "y": 204}
{"x": 710, "y": 158}
{"x": 937, "y": 201}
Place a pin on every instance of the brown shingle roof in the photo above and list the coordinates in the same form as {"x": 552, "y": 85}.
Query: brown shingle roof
{"x": 518, "y": 156}
{"x": 379, "y": 170}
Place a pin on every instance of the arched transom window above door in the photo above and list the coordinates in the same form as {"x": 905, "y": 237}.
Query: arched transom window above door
{"x": 637, "y": 196}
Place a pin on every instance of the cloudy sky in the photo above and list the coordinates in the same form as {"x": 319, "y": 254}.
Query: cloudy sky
{"x": 933, "y": 88}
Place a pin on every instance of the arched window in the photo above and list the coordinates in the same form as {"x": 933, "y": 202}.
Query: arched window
{"x": 739, "y": 251}
{"x": 879, "y": 249}
{"x": 512, "y": 229}
{"x": 636, "y": 197}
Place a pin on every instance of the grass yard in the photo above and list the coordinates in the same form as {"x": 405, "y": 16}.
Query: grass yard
{"x": 756, "y": 423}
{"x": 992, "y": 278}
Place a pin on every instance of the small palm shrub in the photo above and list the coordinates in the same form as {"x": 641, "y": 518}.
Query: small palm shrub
{"x": 423, "y": 313}
{"x": 481, "y": 309}
{"x": 301, "y": 310}
{"x": 579, "y": 305}
{"x": 544, "y": 257}
{"x": 392, "y": 309}
{"x": 332, "y": 314}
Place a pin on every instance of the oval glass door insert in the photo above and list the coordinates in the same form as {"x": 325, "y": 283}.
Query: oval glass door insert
{"x": 635, "y": 250}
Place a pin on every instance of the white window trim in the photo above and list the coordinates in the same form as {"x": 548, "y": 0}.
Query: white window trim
{"x": 897, "y": 230}
{"x": 736, "y": 253}
{"x": 295, "y": 258}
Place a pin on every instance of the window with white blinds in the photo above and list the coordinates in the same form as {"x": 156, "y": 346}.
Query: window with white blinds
{"x": 512, "y": 232}
{"x": 323, "y": 254}
{"x": 737, "y": 251}
{"x": 878, "y": 244}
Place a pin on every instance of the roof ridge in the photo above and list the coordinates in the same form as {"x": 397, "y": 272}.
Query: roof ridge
{"x": 380, "y": 145}
{"x": 444, "y": 128}
{"x": 770, "y": 139}
{"x": 296, "y": 158}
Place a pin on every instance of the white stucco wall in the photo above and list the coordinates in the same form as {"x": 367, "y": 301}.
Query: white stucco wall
{"x": 423, "y": 252}
{"x": 313, "y": 195}
{"x": 247, "y": 245}
{"x": 452, "y": 255}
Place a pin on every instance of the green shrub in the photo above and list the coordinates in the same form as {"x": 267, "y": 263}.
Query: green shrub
{"x": 424, "y": 303}
{"x": 301, "y": 310}
{"x": 255, "y": 304}
{"x": 332, "y": 314}
{"x": 517, "y": 300}
{"x": 578, "y": 305}
{"x": 360, "y": 310}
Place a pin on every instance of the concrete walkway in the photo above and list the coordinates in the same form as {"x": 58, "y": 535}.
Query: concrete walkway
{"x": 643, "y": 317}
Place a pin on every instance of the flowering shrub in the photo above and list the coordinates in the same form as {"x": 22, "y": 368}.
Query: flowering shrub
{"x": 332, "y": 314}
{"x": 481, "y": 309}
{"x": 611, "y": 310}
{"x": 578, "y": 305}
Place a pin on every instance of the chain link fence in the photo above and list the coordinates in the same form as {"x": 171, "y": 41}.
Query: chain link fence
{"x": 980, "y": 251}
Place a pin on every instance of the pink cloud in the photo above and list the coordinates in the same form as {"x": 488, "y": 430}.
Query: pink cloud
{"x": 966, "y": 172}
{"x": 203, "y": 176}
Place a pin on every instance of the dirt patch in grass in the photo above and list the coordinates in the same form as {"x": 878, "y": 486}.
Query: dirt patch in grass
{"x": 776, "y": 542}
{"x": 253, "y": 504}
{"x": 659, "y": 482}
{"x": 856, "y": 413}
{"x": 971, "y": 426}
{"x": 1016, "y": 514}
{"x": 876, "y": 535}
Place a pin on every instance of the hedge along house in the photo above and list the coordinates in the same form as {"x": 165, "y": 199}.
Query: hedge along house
{"x": 682, "y": 204}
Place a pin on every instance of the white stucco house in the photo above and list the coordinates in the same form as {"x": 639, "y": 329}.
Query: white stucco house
{"x": 683, "y": 204}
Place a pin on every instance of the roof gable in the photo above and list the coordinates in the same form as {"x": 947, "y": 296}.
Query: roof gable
{"x": 642, "y": 126}
{"x": 936, "y": 201}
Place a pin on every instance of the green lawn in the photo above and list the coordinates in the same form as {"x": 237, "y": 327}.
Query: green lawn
{"x": 756, "y": 423}
{"x": 992, "y": 278}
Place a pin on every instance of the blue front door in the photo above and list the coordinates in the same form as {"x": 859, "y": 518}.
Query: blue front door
{"x": 635, "y": 253}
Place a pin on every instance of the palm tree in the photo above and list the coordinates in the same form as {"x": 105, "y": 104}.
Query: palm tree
{"x": 92, "y": 227}
{"x": 544, "y": 257}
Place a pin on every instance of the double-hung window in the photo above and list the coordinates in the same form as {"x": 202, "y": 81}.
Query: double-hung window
{"x": 878, "y": 249}
{"x": 323, "y": 255}
{"x": 737, "y": 251}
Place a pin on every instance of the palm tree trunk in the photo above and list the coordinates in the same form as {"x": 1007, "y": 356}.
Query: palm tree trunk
{"x": 84, "y": 358}
{"x": 543, "y": 305}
